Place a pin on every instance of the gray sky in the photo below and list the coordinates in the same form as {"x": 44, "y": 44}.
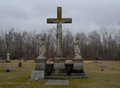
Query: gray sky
{"x": 87, "y": 15}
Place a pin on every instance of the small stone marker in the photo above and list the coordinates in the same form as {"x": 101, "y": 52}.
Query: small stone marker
{"x": 95, "y": 61}
{"x": 8, "y": 58}
{"x": 25, "y": 59}
{"x": 8, "y": 69}
{"x": 20, "y": 64}
{"x": 37, "y": 75}
{"x": 57, "y": 82}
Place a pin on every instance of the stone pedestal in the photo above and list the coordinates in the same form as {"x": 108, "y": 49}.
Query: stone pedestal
{"x": 59, "y": 66}
{"x": 40, "y": 63}
{"x": 78, "y": 65}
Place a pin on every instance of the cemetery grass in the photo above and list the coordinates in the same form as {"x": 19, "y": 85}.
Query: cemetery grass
{"x": 19, "y": 77}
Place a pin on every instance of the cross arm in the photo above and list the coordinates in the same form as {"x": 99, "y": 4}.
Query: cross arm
{"x": 51, "y": 20}
{"x": 66, "y": 20}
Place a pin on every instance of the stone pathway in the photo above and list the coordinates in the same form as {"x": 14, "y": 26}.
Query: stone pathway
{"x": 57, "y": 82}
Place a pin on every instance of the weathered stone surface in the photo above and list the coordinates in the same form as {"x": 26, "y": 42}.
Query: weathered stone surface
{"x": 59, "y": 61}
{"x": 77, "y": 47}
{"x": 57, "y": 82}
{"x": 78, "y": 67}
{"x": 8, "y": 58}
{"x": 40, "y": 64}
{"x": 78, "y": 59}
{"x": 8, "y": 69}
{"x": 59, "y": 20}
{"x": 56, "y": 77}
{"x": 59, "y": 66}
{"x": 37, "y": 74}
{"x": 65, "y": 76}
{"x": 42, "y": 48}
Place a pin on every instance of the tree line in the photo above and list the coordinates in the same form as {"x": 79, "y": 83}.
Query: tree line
{"x": 103, "y": 44}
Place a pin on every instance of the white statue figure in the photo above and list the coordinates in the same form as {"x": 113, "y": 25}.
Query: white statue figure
{"x": 42, "y": 48}
{"x": 77, "y": 47}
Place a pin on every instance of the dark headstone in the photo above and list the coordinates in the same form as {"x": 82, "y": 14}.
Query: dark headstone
{"x": 19, "y": 64}
{"x": 101, "y": 69}
{"x": 25, "y": 60}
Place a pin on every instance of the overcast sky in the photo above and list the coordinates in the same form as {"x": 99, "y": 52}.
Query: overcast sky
{"x": 87, "y": 15}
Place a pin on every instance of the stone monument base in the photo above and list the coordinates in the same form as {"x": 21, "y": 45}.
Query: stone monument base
{"x": 60, "y": 69}
{"x": 65, "y": 76}
{"x": 40, "y": 63}
{"x": 78, "y": 65}
{"x": 59, "y": 66}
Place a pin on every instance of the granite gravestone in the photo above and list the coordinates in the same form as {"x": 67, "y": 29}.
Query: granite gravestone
{"x": 8, "y": 69}
{"x": 95, "y": 61}
{"x": 19, "y": 64}
{"x": 37, "y": 75}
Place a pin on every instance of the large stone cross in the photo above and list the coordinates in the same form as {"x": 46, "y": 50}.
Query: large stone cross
{"x": 59, "y": 20}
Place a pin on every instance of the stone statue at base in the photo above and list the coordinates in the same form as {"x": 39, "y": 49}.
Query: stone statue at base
{"x": 42, "y": 48}
{"x": 77, "y": 48}
{"x": 41, "y": 60}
